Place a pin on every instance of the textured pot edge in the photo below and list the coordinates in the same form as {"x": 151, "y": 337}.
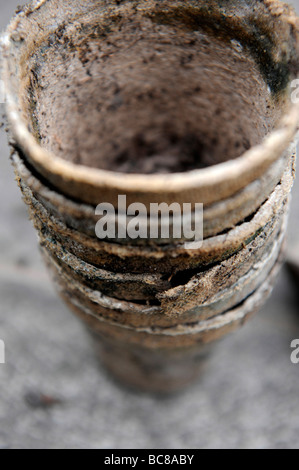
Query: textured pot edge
{"x": 238, "y": 234}
{"x": 217, "y": 217}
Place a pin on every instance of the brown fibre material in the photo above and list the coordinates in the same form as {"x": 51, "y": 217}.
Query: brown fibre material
{"x": 144, "y": 97}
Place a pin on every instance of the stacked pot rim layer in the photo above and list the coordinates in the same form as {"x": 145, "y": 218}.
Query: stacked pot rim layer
{"x": 226, "y": 271}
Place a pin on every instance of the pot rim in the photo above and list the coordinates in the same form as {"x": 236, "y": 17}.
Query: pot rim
{"x": 89, "y": 184}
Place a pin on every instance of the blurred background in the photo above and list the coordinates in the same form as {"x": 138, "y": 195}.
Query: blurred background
{"x": 53, "y": 393}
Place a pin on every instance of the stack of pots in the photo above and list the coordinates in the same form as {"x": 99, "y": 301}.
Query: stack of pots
{"x": 153, "y": 304}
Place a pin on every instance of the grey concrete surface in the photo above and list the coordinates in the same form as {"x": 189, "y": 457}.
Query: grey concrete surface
{"x": 247, "y": 398}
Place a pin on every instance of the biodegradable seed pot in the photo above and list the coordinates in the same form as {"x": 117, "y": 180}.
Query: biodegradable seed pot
{"x": 161, "y": 102}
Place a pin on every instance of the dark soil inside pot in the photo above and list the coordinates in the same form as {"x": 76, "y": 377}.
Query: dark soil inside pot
{"x": 144, "y": 97}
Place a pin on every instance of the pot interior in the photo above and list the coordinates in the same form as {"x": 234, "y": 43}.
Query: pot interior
{"x": 153, "y": 90}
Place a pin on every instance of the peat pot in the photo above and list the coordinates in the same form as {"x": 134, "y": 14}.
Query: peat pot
{"x": 174, "y": 102}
